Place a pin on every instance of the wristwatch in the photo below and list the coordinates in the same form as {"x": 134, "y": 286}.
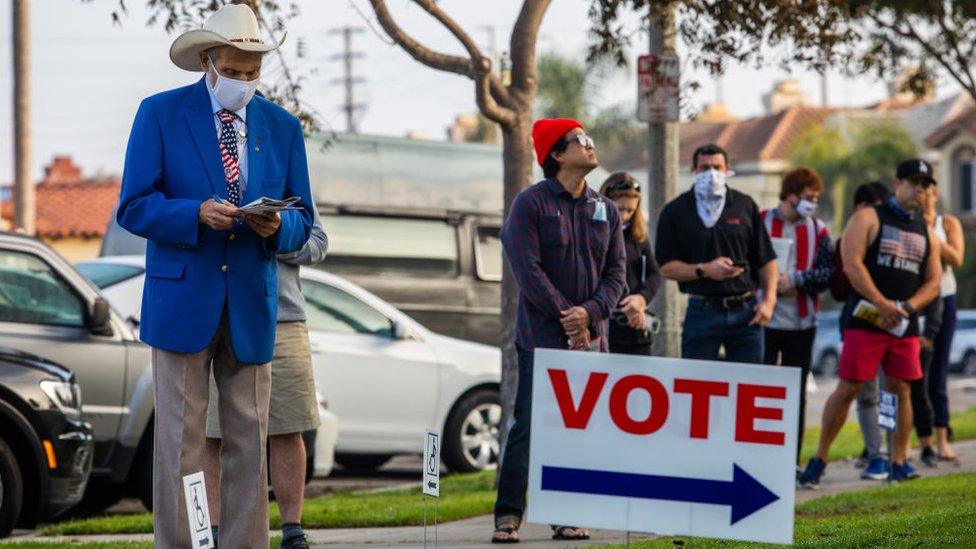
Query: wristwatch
{"x": 908, "y": 308}
{"x": 699, "y": 271}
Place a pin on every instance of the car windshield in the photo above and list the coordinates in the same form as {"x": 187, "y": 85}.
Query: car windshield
{"x": 104, "y": 275}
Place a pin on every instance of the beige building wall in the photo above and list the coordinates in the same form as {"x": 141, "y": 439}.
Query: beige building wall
{"x": 75, "y": 249}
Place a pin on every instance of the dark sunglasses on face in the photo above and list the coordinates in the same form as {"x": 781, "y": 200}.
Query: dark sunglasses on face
{"x": 584, "y": 140}
{"x": 624, "y": 185}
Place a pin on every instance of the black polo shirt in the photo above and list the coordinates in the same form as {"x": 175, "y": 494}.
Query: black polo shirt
{"x": 739, "y": 234}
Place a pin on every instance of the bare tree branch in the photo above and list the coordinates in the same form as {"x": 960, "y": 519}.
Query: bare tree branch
{"x": 499, "y": 91}
{"x": 912, "y": 34}
{"x": 431, "y": 7}
{"x": 423, "y": 54}
{"x": 505, "y": 117}
{"x": 522, "y": 47}
{"x": 949, "y": 35}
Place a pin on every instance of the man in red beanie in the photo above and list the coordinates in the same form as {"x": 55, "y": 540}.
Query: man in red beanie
{"x": 566, "y": 249}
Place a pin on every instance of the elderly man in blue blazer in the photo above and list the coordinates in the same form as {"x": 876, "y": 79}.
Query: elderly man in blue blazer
{"x": 195, "y": 155}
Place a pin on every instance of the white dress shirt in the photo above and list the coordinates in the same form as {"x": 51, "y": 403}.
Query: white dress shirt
{"x": 240, "y": 125}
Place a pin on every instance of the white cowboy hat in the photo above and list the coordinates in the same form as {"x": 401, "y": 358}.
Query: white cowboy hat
{"x": 232, "y": 25}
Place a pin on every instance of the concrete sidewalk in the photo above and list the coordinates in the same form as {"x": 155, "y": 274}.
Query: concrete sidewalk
{"x": 476, "y": 532}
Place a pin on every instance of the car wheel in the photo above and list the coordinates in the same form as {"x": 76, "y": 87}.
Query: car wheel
{"x": 362, "y": 462}
{"x": 11, "y": 490}
{"x": 969, "y": 363}
{"x": 828, "y": 364}
{"x": 471, "y": 434}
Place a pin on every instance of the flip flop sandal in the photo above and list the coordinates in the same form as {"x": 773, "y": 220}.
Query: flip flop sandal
{"x": 954, "y": 460}
{"x": 570, "y": 533}
{"x": 510, "y": 532}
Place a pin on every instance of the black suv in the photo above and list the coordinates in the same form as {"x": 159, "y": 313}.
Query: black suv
{"x": 45, "y": 445}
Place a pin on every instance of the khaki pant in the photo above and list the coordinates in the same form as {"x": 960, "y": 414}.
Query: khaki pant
{"x": 181, "y": 391}
{"x": 294, "y": 407}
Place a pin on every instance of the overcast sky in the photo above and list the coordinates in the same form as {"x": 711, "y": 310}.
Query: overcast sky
{"x": 88, "y": 75}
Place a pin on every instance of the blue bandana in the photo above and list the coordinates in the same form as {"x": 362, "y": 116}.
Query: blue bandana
{"x": 899, "y": 211}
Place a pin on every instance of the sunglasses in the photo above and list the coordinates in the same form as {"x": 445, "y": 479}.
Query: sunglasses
{"x": 624, "y": 185}
{"x": 584, "y": 140}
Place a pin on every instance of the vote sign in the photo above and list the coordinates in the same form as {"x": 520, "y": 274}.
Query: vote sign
{"x": 664, "y": 446}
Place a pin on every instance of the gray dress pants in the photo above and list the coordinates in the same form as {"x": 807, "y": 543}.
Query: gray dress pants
{"x": 181, "y": 385}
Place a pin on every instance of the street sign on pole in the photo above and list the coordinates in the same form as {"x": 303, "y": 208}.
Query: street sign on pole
{"x": 658, "y": 87}
{"x": 197, "y": 511}
{"x": 432, "y": 463}
{"x": 663, "y": 446}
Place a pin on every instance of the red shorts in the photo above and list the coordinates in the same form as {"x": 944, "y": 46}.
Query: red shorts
{"x": 865, "y": 349}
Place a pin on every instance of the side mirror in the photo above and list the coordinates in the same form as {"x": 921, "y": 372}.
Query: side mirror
{"x": 100, "y": 319}
{"x": 400, "y": 331}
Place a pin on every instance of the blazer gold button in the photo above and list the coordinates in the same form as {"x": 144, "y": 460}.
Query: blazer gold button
{"x": 232, "y": 236}
{"x": 223, "y": 268}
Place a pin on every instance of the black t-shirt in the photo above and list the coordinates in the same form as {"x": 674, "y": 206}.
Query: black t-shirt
{"x": 896, "y": 262}
{"x": 739, "y": 234}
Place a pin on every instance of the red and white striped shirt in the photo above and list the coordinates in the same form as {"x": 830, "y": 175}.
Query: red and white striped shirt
{"x": 806, "y": 233}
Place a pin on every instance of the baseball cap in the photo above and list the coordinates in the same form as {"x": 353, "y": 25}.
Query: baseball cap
{"x": 916, "y": 169}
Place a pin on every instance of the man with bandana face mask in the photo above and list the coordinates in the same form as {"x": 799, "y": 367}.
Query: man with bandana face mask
{"x": 195, "y": 155}
{"x": 711, "y": 241}
{"x": 809, "y": 264}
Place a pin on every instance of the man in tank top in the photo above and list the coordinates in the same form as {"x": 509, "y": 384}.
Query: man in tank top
{"x": 892, "y": 261}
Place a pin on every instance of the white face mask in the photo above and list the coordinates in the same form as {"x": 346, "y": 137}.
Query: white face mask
{"x": 710, "y": 183}
{"x": 805, "y": 208}
{"x": 233, "y": 95}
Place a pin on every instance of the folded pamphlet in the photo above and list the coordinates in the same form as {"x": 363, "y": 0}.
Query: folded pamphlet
{"x": 866, "y": 311}
{"x": 265, "y": 204}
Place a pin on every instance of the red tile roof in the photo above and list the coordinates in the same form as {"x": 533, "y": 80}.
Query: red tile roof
{"x": 757, "y": 139}
{"x": 963, "y": 122}
{"x": 70, "y": 206}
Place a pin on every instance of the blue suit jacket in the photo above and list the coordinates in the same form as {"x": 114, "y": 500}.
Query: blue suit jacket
{"x": 172, "y": 165}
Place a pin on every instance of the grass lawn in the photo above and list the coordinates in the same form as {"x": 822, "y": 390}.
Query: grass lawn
{"x": 849, "y": 443}
{"x": 274, "y": 544}
{"x": 929, "y": 512}
{"x": 463, "y": 496}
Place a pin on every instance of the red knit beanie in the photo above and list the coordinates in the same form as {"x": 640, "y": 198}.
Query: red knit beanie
{"x": 547, "y": 131}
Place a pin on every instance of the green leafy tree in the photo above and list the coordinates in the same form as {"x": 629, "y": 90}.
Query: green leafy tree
{"x": 850, "y": 152}
{"x": 857, "y": 36}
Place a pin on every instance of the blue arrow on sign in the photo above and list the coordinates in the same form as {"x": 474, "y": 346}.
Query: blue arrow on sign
{"x": 744, "y": 494}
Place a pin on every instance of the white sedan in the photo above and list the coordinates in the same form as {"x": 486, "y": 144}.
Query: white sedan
{"x": 384, "y": 375}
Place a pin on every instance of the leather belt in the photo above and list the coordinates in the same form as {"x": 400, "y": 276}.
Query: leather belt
{"x": 727, "y": 302}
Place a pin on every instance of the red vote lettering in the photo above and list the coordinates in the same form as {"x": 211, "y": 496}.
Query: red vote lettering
{"x": 576, "y": 417}
{"x": 701, "y": 392}
{"x": 659, "y": 404}
{"x": 747, "y": 413}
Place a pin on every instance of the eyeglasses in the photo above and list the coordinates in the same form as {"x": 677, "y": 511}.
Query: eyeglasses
{"x": 584, "y": 140}
{"x": 624, "y": 185}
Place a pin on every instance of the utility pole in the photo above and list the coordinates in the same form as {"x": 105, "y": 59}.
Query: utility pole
{"x": 24, "y": 210}
{"x": 350, "y": 107}
{"x": 662, "y": 185}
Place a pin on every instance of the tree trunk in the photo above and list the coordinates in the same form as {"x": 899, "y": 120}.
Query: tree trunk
{"x": 23, "y": 185}
{"x": 518, "y": 158}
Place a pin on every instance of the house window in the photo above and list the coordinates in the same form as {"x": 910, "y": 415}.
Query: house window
{"x": 967, "y": 186}
{"x": 965, "y": 161}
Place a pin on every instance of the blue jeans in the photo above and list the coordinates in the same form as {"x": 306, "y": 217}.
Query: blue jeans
{"x": 513, "y": 479}
{"x": 708, "y": 326}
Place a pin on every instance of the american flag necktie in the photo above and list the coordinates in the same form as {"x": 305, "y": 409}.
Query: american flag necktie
{"x": 228, "y": 155}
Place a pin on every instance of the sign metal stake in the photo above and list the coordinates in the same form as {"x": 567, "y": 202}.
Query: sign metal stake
{"x": 431, "y": 486}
